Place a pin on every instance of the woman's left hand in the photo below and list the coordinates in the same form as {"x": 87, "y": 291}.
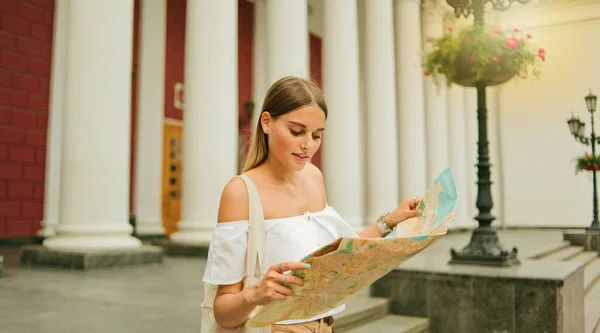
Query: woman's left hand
{"x": 406, "y": 210}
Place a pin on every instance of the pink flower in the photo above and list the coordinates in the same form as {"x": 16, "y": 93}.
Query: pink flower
{"x": 426, "y": 73}
{"x": 495, "y": 59}
{"x": 465, "y": 37}
{"x": 450, "y": 29}
{"x": 472, "y": 58}
{"x": 542, "y": 54}
{"x": 495, "y": 31}
{"x": 512, "y": 42}
{"x": 516, "y": 30}
{"x": 529, "y": 36}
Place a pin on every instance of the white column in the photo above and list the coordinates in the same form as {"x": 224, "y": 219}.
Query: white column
{"x": 260, "y": 82}
{"x": 381, "y": 135}
{"x": 411, "y": 110}
{"x": 53, "y": 146}
{"x": 457, "y": 143}
{"x": 472, "y": 138}
{"x": 287, "y": 39}
{"x": 150, "y": 115}
{"x": 210, "y": 129}
{"x": 341, "y": 149}
{"x": 94, "y": 205}
{"x": 435, "y": 96}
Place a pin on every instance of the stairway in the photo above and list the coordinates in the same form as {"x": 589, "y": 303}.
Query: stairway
{"x": 370, "y": 314}
{"x": 591, "y": 259}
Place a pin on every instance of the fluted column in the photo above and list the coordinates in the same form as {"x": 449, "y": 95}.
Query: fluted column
{"x": 457, "y": 144}
{"x": 287, "y": 39}
{"x": 150, "y": 116}
{"x": 411, "y": 110}
{"x": 260, "y": 82}
{"x": 210, "y": 130}
{"x": 94, "y": 205}
{"x": 341, "y": 149}
{"x": 435, "y": 96}
{"x": 381, "y": 121}
{"x": 54, "y": 144}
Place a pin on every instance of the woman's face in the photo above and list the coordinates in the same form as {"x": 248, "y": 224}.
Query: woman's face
{"x": 295, "y": 136}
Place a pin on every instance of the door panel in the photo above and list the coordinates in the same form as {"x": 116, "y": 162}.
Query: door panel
{"x": 171, "y": 193}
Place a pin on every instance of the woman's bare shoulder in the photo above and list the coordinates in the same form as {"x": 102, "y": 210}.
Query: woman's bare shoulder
{"x": 234, "y": 202}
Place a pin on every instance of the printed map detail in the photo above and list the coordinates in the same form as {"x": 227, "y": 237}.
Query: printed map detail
{"x": 341, "y": 269}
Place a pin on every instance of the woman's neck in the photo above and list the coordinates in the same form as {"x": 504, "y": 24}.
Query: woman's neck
{"x": 280, "y": 174}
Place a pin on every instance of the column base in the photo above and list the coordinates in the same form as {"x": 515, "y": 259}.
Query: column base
{"x": 193, "y": 234}
{"x": 1, "y": 265}
{"x": 171, "y": 248}
{"x": 149, "y": 228}
{"x": 46, "y": 231}
{"x": 589, "y": 239}
{"x": 38, "y": 255}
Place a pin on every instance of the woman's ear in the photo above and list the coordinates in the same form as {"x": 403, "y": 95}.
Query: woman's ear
{"x": 265, "y": 121}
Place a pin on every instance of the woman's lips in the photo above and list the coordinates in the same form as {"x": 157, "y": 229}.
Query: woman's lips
{"x": 300, "y": 157}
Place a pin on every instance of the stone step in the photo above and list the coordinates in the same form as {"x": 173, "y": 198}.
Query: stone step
{"x": 394, "y": 324}
{"x": 592, "y": 308}
{"x": 360, "y": 310}
{"x": 591, "y": 275}
{"x": 565, "y": 254}
{"x": 548, "y": 249}
{"x": 585, "y": 257}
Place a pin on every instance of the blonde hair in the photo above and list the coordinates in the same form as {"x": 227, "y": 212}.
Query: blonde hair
{"x": 285, "y": 95}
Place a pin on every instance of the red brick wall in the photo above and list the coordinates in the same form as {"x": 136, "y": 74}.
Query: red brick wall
{"x": 134, "y": 93}
{"x": 25, "y": 55}
{"x": 315, "y": 75}
{"x": 175, "y": 55}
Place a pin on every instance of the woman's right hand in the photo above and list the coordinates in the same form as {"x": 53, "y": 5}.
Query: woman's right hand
{"x": 274, "y": 285}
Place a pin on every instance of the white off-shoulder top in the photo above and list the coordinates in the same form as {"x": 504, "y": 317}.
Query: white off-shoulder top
{"x": 287, "y": 240}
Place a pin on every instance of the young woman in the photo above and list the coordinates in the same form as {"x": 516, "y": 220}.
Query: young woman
{"x": 297, "y": 217}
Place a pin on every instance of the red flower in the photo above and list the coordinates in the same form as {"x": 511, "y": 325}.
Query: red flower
{"x": 516, "y": 30}
{"x": 512, "y": 42}
{"x": 495, "y": 59}
{"x": 495, "y": 31}
{"x": 529, "y": 36}
{"x": 472, "y": 58}
{"x": 542, "y": 54}
{"x": 465, "y": 37}
{"x": 450, "y": 29}
{"x": 426, "y": 73}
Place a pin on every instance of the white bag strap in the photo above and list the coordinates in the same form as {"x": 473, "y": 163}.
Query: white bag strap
{"x": 256, "y": 237}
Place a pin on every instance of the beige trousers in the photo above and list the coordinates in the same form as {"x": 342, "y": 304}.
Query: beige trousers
{"x": 317, "y": 326}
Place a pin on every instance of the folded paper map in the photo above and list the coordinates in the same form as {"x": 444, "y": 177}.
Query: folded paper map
{"x": 341, "y": 269}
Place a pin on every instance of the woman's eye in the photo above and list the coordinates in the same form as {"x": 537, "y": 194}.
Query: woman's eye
{"x": 316, "y": 137}
{"x": 295, "y": 133}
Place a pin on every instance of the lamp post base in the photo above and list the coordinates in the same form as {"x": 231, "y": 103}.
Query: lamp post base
{"x": 485, "y": 249}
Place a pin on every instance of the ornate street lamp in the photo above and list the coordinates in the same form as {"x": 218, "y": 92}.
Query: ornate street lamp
{"x": 485, "y": 247}
{"x": 577, "y": 128}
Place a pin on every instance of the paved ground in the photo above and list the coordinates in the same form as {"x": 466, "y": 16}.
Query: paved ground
{"x": 155, "y": 298}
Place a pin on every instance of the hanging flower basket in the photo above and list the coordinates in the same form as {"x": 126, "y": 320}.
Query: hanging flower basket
{"x": 480, "y": 54}
{"x": 587, "y": 163}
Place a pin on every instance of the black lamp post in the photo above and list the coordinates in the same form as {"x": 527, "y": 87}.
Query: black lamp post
{"x": 485, "y": 247}
{"x": 577, "y": 128}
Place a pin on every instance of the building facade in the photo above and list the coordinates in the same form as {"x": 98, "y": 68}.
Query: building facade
{"x": 119, "y": 108}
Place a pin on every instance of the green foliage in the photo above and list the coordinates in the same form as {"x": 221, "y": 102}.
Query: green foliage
{"x": 587, "y": 162}
{"x": 483, "y": 54}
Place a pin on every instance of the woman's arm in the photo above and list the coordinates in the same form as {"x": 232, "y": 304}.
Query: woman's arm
{"x": 231, "y": 308}
{"x": 406, "y": 210}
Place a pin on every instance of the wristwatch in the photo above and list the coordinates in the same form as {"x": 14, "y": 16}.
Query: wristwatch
{"x": 382, "y": 226}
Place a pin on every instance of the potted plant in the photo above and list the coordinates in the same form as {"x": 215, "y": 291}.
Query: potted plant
{"x": 587, "y": 162}
{"x": 482, "y": 54}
